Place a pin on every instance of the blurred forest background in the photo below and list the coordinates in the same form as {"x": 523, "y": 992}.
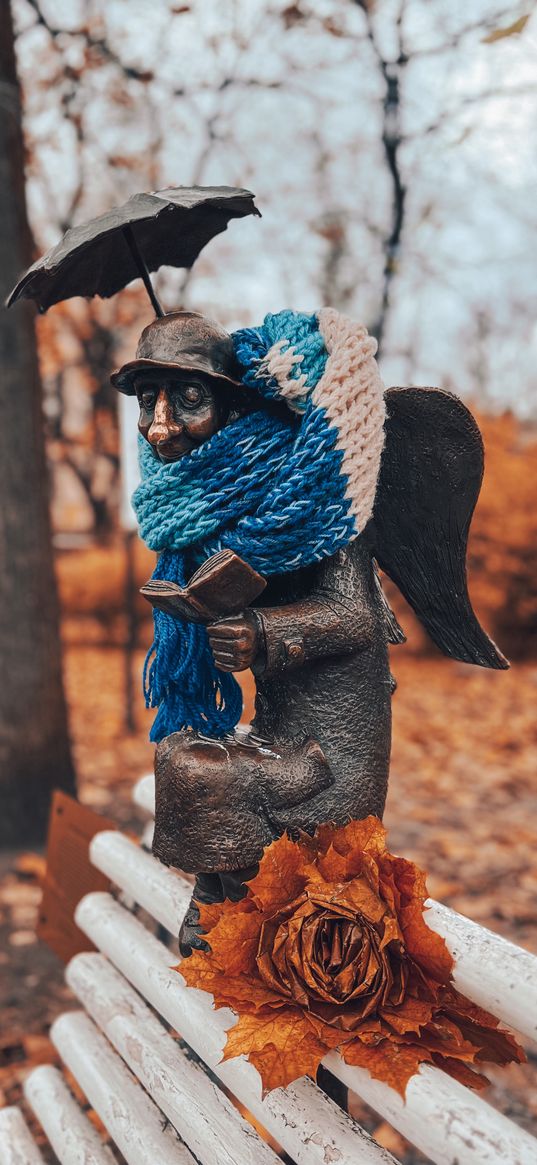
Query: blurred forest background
{"x": 391, "y": 146}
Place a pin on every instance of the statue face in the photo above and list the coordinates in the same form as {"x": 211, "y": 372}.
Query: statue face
{"x": 178, "y": 411}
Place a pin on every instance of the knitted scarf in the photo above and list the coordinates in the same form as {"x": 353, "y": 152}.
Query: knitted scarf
{"x": 281, "y": 493}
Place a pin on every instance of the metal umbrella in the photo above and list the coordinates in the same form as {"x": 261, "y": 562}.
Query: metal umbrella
{"x": 99, "y": 257}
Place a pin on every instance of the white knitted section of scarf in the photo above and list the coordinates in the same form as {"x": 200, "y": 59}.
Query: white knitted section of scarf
{"x": 352, "y": 395}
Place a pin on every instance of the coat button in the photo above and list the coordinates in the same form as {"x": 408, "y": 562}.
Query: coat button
{"x": 294, "y": 650}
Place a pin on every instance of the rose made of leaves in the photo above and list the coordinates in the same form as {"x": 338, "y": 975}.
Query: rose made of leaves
{"x": 330, "y": 949}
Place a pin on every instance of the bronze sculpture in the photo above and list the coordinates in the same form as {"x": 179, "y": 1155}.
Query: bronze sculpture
{"x": 317, "y": 638}
{"x": 315, "y": 633}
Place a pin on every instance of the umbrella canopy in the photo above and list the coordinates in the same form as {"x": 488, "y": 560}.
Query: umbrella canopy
{"x": 99, "y": 257}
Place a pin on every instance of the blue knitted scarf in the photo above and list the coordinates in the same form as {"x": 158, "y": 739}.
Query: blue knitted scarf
{"x": 274, "y": 490}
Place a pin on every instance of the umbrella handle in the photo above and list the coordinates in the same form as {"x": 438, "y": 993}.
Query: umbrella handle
{"x": 134, "y": 249}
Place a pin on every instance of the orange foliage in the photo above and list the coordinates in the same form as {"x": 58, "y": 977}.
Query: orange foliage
{"x": 329, "y": 949}
{"x": 503, "y": 541}
{"x": 502, "y": 551}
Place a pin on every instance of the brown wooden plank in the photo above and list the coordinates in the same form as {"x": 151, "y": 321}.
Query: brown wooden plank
{"x": 69, "y": 874}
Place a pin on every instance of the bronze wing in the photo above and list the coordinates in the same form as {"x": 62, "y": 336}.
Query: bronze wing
{"x": 429, "y": 483}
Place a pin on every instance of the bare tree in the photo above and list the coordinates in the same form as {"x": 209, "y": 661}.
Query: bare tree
{"x": 392, "y": 56}
{"x": 34, "y": 747}
{"x": 354, "y": 127}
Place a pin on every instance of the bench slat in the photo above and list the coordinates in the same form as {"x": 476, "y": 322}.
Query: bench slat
{"x": 133, "y": 1121}
{"x": 143, "y": 794}
{"x": 489, "y": 969}
{"x": 73, "y": 1137}
{"x": 447, "y": 1122}
{"x": 17, "y": 1146}
{"x": 202, "y": 1114}
{"x": 508, "y": 989}
{"x": 162, "y": 892}
{"x": 309, "y": 1126}
{"x": 146, "y": 840}
{"x": 146, "y": 963}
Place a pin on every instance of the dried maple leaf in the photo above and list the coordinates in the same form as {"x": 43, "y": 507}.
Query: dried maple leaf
{"x": 280, "y": 1045}
{"x": 330, "y": 949}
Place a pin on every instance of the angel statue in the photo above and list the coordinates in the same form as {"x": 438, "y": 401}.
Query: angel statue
{"x": 276, "y": 474}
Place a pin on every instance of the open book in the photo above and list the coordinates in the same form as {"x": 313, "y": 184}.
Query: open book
{"x": 223, "y": 585}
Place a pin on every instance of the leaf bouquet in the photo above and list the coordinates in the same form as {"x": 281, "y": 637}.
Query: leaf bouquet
{"x": 329, "y": 949}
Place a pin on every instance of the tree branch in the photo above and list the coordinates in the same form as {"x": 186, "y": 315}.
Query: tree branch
{"x": 97, "y": 43}
{"x": 391, "y": 72}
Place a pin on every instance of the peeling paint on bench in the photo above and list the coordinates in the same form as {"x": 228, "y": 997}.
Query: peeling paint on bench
{"x": 17, "y": 1146}
{"x": 438, "y": 1113}
{"x": 158, "y": 1104}
{"x": 71, "y": 1134}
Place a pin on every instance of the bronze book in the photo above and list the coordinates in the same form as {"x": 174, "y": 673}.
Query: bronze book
{"x": 223, "y": 585}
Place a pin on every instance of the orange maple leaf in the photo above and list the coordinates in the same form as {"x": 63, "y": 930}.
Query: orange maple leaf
{"x": 279, "y": 1044}
{"x": 330, "y": 950}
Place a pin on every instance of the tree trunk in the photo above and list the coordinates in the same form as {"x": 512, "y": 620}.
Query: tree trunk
{"x": 35, "y": 755}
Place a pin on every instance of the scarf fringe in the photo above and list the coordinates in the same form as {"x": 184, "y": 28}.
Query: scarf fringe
{"x": 180, "y": 677}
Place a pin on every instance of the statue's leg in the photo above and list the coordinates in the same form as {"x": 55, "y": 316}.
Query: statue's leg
{"x": 209, "y": 888}
{"x": 233, "y": 883}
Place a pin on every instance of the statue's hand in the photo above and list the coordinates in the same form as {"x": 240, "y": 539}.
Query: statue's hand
{"x": 235, "y": 641}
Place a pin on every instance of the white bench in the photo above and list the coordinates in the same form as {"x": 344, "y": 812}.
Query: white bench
{"x": 162, "y": 1106}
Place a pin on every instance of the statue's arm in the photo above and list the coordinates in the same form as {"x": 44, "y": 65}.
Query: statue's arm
{"x": 336, "y": 618}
